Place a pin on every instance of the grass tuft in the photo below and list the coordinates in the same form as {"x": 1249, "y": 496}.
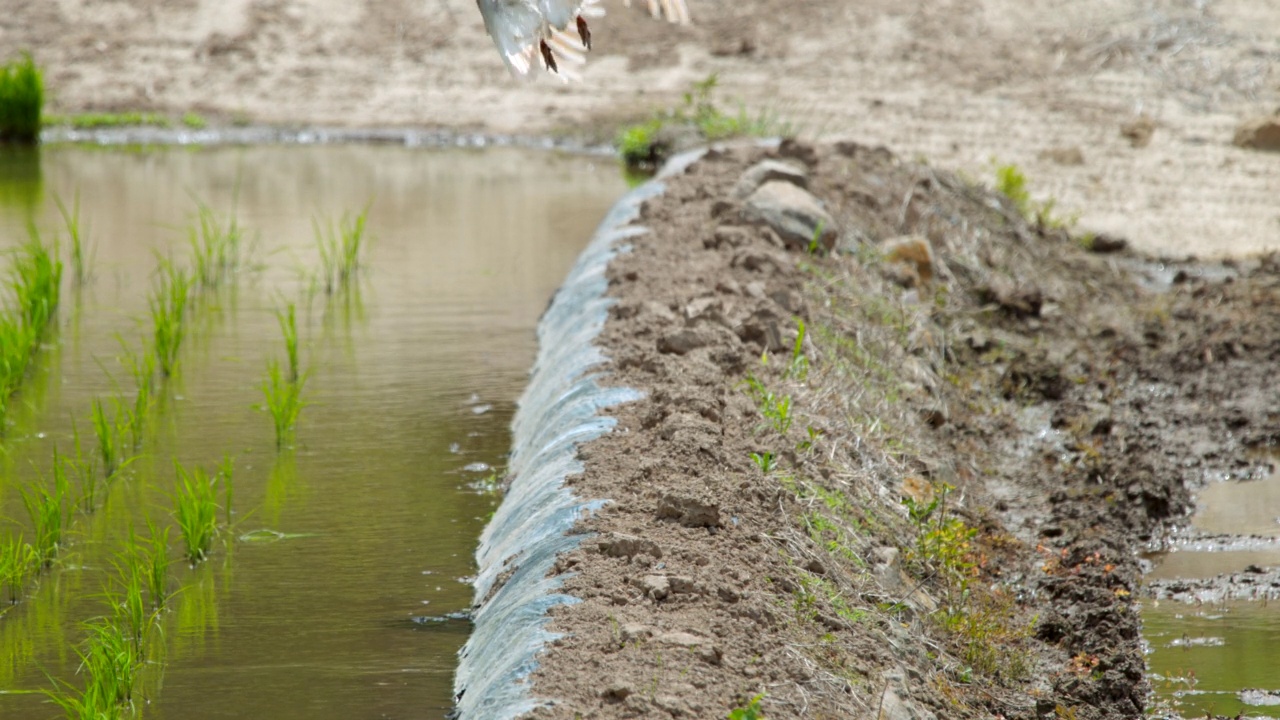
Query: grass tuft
{"x": 81, "y": 255}
{"x": 18, "y": 561}
{"x": 50, "y": 514}
{"x": 35, "y": 277}
{"x": 284, "y": 402}
{"x": 215, "y": 248}
{"x": 21, "y": 101}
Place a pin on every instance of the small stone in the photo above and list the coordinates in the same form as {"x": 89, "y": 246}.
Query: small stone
{"x": 914, "y": 252}
{"x": 793, "y": 213}
{"x": 656, "y": 586}
{"x": 768, "y": 171}
{"x": 689, "y": 512}
{"x": 1138, "y": 131}
{"x": 681, "y": 584}
{"x": 683, "y": 342}
{"x": 727, "y": 594}
{"x": 727, "y": 235}
{"x": 816, "y": 567}
{"x": 617, "y": 691}
{"x": 636, "y": 632}
{"x": 1261, "y": 133}
{"x": 704, "y": 648}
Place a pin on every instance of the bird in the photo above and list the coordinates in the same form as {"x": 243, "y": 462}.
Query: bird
{"x": 553, "y": 34}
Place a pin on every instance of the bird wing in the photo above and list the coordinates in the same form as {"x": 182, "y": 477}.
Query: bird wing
{"x": 520, "y": 29}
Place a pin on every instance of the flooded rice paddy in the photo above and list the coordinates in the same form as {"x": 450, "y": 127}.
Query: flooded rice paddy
{"x": 1220, "y": 658}
{"x": 330, "y": 591}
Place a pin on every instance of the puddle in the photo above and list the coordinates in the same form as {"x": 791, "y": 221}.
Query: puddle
{"x": 1214, "y": 655}
{"x": 346, "y": 548}
{"x": 1203, "y": 657}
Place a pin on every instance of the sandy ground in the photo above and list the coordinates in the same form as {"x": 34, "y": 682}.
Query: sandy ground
{"x": 1043, "y": 84}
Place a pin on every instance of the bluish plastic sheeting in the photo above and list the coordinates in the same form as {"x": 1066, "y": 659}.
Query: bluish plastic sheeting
{"x": 560, "y": 409}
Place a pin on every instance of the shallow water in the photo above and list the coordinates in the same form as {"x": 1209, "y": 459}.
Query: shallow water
{"x": 412, "y": 380}
{"x": 1204, "y": 655}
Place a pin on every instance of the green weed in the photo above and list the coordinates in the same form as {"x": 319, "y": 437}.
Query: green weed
{"x": 143, "y": 370}
{"x": 798, "y": 367}
{"x": 1012, "y": 183}
{"x": 98, "y": 121}
{"x": 157, "y": 565}
{"x": 775, "y": 408}
{"x": 169, "y": 301}
{"x": 643, "y": 145}
{"x": 21, "y": 101}
{"x": 196, "y": 512}
{"x": 194, "y": 121}
{"x": 765, "y": 461}
{"x": 750, "y": 711}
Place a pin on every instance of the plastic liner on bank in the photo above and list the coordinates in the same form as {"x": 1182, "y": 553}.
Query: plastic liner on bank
{"x": 561, "y": 408}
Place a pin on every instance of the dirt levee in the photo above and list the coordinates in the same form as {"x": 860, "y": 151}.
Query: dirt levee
{"x": 906, "y": 478}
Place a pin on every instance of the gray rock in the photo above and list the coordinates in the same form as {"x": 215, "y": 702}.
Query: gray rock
{"x": 683, "y": 342}
{"x": 769, "y": 171}
{"x": 793, "y": 213}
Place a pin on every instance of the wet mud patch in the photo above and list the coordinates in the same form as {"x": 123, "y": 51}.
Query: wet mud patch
{"x": 907, "y": 477}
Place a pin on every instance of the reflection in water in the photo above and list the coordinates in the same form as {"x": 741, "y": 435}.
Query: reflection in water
{"x": 21, "y": 186}
{"x": 465, "y": 250}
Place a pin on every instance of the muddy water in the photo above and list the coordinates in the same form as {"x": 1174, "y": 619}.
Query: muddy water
{"x": 316, "y": 604}
{"x": 1202, "y": 656}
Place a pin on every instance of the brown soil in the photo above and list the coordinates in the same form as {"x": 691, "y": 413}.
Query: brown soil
{"x": 1071, "y": 399}
{"x": 1056, "y": 88}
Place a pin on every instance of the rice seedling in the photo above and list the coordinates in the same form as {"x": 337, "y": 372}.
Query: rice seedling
{"x": 18, "y": 560}
{"x": 196, "y": 512}
{"x": 50, "y": 514}
{"x": 33, "y": 283}
{"x": 128, "y": 607}
{"x": 81, "y": 255}
{"x": 284, "y": 402}
{"x": 143, "y": 370}
{"x": 81, "y": 468}
{"x": 289, "y": 329}
{"x": 169, "y": 301}
{"x": 108, "y": 431}
{"x": 109, "y": 665}
{"x": 34, "y": 280}
{"x": 215, "y": 248}
{"x": 340, "y": 250}
{"x": 157, "y": 565}
{"x": 21, "y": 101}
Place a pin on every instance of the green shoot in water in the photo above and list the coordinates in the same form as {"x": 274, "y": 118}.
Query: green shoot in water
{"x": 81, "y": 468}
{"x": 81, "y": 255}
{"x": 340, "y": 251}
{"x": 215, "y": 248}
{"x": 50, "y": 513}
{"x": 143, "y": 370}
{"x": 196, "y": 512}
{"x": 110, "y": 669}
{"x": 18, "y": 560}
{"x": 35, "y": 276}
{"x": 129, "y": 608}
{"x": 284, "y": 402}
{"x": 169, "y": 301}
{"x": 108, "y": 431}
{"x": 157, "y": 565}
{"x": 226, "y": 471}
{"x": 289, "y": 329}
